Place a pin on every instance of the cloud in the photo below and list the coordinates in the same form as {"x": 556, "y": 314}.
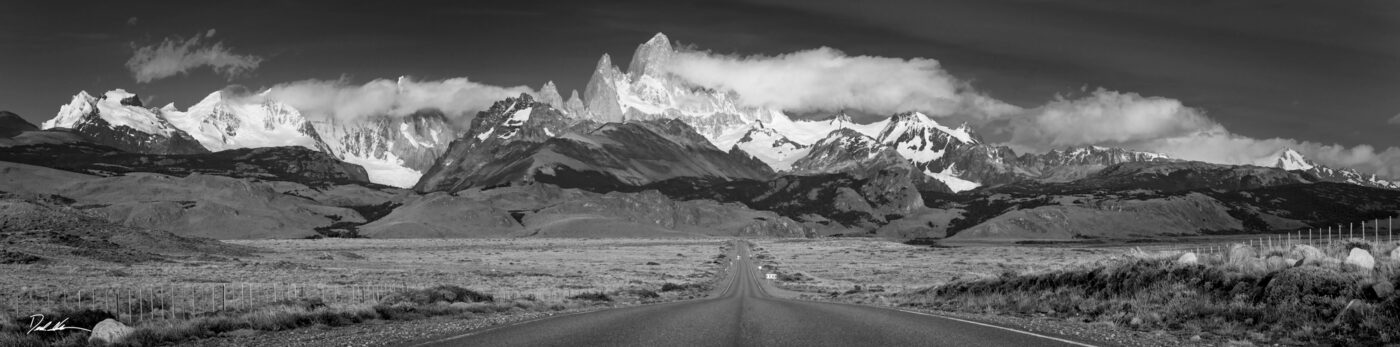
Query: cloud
{"x": 1229, "y": 148}
{"x": 1105, "y": 117}
{"x": 132, "y": 21}
{"x": 176, "y": 56}
{"x": 458, "y": 98}
{"x": 1166, "y": 126}
{"x": 826, "y": 79}
{"x": 1395, "y": 120}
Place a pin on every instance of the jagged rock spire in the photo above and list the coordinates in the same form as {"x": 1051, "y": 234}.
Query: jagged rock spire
{"x": 549, "y": 94}
{"x": 601, "y": 93}
{"x": 575, "y": 104}
{"x": 650, "y": 57}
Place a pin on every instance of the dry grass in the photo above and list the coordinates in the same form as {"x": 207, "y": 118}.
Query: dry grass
{"x": 839, "y": 265}
{"x": 1256, "y": 299}
{"x": 514, "y": 274}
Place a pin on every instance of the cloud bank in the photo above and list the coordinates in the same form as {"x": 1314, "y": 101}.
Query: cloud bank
{"x": 176, "y": 56}
{"x": 1106, "y": 117}
{"x": 1165, "y": 125}
{"x": 826, "y": 79}
{"x": 458, "y": 98}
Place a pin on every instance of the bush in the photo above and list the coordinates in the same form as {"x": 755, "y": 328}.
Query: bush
{"x": 671, "y": 287}
{"x": 592, "y": 296}
{"x": 1356, "y": 243}
{"x": 1302, "y": 303}
{"x": 793, "y": 277}
{"x": 442, "y": 293}
{"x": 642, "y": 293}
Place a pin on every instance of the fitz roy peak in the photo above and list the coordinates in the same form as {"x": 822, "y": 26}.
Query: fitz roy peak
{"x": 952, "y": 156}
{"x": 647, "y": 91}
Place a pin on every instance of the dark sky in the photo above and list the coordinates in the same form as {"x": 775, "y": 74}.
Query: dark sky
{"x": 1325, "y": 71}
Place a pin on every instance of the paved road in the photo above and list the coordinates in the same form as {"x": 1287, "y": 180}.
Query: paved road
{"x": 744, "y": 314}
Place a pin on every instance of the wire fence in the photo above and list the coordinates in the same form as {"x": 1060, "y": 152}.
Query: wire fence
{"x": 1373, "y": 231}
{"x": 144, "y": 303}
{"x": 141, "y": 304}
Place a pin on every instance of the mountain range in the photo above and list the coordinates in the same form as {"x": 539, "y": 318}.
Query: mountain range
{"x": 636, "y": 144}
{"x": 394, "y": 150}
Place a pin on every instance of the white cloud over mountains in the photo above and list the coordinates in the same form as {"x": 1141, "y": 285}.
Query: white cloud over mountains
{"x": 1167, "y": 126}
{"x": 1106, "y": 117}
{"x": 177, "y": 56}
{"x": 826, "y": 79}
{"x": 455, "y": 97}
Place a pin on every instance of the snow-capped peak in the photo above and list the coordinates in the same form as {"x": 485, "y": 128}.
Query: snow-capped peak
{"x": 69, "y": 115}
{"x": 771, "y": 147}
{"x": 1292, "y": 160}
{"x": 117, "y": 107}
{"x": 1098, "y": 155}
{"x": 917, "y": 121}
{"x": 920, "y": 139}
{"x": 121, "y": 96}
{"x": 220, "y": 123}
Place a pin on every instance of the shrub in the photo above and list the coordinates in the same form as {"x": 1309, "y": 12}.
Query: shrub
{"x": 671, "y": 287}
{"x": 591, "y": 296}
{"x": 643, "y": 293}
{"x": 793, "y": 277}
{"x": 1301, "y": 303}
{"x": 1356, "y": 243}
{"x": 442, "y": 293}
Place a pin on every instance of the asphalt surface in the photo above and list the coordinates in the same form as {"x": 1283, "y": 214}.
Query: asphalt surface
{"x": 743, "y": 313}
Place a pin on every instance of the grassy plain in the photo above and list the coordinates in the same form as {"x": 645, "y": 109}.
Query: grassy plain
{"x": 839, "y": 265}
{"x": 1249, "y": 294}
{"x": 295, "y": 283}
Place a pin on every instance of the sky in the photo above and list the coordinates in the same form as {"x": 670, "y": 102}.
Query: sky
{"x": 1191, "y": 77}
